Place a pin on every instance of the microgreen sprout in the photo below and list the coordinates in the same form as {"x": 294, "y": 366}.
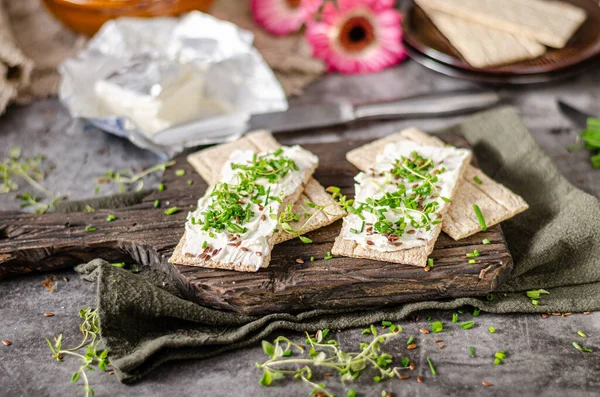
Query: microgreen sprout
{"x": 93, "y": 355}
{"x": 349, "y": 365}
{"x": 31, "y": 170}
{"x": 129, "y": 177}
{"x": 581, "y": 348}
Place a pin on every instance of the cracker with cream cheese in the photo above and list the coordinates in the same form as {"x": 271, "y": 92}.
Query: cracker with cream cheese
{"x": 497, "y": 202}
{"x": 400, "y": 202}
{"x": 209, "y": 162}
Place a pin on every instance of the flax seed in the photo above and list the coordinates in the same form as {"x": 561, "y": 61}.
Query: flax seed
{"x": 6, "y": 342}
{"x": 487, "y": 383}
{"x": 438, "y": 340}
{"x": 369, "y": 242}
{"x": 545, "y": 315}
{"x": 427, "y": 268}
{"x": 328, "y": 374}
{"x": 412, "y": 365}
{"x": 567, "y": 314}
{"x": 404, "y": 377}
{"x": 263, "y": 217}
{"x": 442, "y": 346}
{"x": 49, "y": 314}
{"x": 258, "y": 253}
{"x": 556, "y": 314}
{"x": 412, "y": 346}
{"x": 244, "y": 249}
{"x": 389, "y": 394}
{"x": 412, "y": 231}
{"x": 420, "y": 379}
{"x": 586, "y": 313}
{"x": 299, "y": 260}
{"x": 424, "y": 331}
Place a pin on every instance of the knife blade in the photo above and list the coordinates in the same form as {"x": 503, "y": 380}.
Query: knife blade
{"x": 438, "y": 104}
{"x": 324, "y": 115}
{"x": 578, "y": 117}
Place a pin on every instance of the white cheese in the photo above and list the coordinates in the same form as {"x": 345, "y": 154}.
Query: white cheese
{"x": 162, "y": 107}
{"x": 253, "y": 243}
{"x": 380, "y": 181}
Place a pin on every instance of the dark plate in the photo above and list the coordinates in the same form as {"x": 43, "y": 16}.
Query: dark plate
{"x": 502, "y": 78}
{"x": 422, "y": 35}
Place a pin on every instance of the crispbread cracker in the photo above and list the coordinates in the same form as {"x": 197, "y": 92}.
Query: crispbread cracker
{"x": 497, "y": 203}
{"x": 209, "y": 162}
{"x": 551, "y": 23}
{"x": 190, "y": 260}
{"x": 482, "y": 46}
{"x": 416, "y": 256}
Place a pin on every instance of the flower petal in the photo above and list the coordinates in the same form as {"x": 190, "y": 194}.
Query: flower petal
{"x": 279, "y": 17}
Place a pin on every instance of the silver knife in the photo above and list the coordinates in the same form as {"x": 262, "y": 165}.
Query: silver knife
{"x": 437, "y": 104}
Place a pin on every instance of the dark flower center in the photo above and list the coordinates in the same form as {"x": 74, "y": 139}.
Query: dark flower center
{"x": 293, "y": 3}
{"x": 356, "y": 34}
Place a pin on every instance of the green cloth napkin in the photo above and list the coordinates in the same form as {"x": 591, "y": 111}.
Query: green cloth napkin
{"x": 555, "y": 245}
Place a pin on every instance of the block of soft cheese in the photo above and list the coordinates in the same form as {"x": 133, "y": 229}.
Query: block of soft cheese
{"x": 157, "y": 99}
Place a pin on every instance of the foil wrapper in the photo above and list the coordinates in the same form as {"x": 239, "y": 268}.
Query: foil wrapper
{"x": 170, "y": 83}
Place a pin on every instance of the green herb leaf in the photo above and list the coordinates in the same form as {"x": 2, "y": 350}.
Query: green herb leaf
{"x": 110, "y": 218}
{"x": 120, "y": 265}
{"x": 410, "y": 340}
{"x": 171, "y": 210}
{"x": 472, "y": 351}
{"x": 466, "y": 324}
{"x": 179, "y": 172}
{"x": 156, "y": 203}
{"x": 268, "y": 348}
{"x": 492, "y": 330}
{"x": 351, "y": 393}
{"x": 476, "y": 179}
{"x": 479, "y": 217}
{"x": 437, "y": 326}
{"x": 90, "y": 228}
{"x": 431, "y": 368}
{"x": 266, "y": 379}
{"x": 476, "y": 312}
{"x": 581, "y": 333}
{"x": 581, "y": 348}
{"x": 305, "y": 239}
{"x": 486, "y": 241}
{"x": 454, "y": 317}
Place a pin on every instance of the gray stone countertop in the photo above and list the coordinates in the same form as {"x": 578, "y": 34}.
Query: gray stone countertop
{"x": 541, "y": 360}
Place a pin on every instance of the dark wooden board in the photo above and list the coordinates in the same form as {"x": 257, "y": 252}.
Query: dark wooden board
{"x": 30, "y": 242}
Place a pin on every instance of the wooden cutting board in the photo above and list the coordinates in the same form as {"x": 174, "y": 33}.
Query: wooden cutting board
{"x": 146, "y": 235}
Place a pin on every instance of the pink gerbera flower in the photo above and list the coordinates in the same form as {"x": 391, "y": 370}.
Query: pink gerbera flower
{"x": 281, "y": 17}
{"x": 359, "y": 36}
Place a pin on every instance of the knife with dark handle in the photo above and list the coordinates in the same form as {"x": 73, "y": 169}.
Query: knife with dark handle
{"x": 439, "y": 104}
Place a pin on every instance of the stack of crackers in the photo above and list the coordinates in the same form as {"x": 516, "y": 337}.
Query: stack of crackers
{"x": 209, "y": 163}
{"x": 497, "y": 203}
{"x": 495, "y": 32}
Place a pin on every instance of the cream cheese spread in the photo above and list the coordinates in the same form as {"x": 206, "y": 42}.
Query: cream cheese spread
{"x": 399, "y": 202}
{"x": 246, "y": 242}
